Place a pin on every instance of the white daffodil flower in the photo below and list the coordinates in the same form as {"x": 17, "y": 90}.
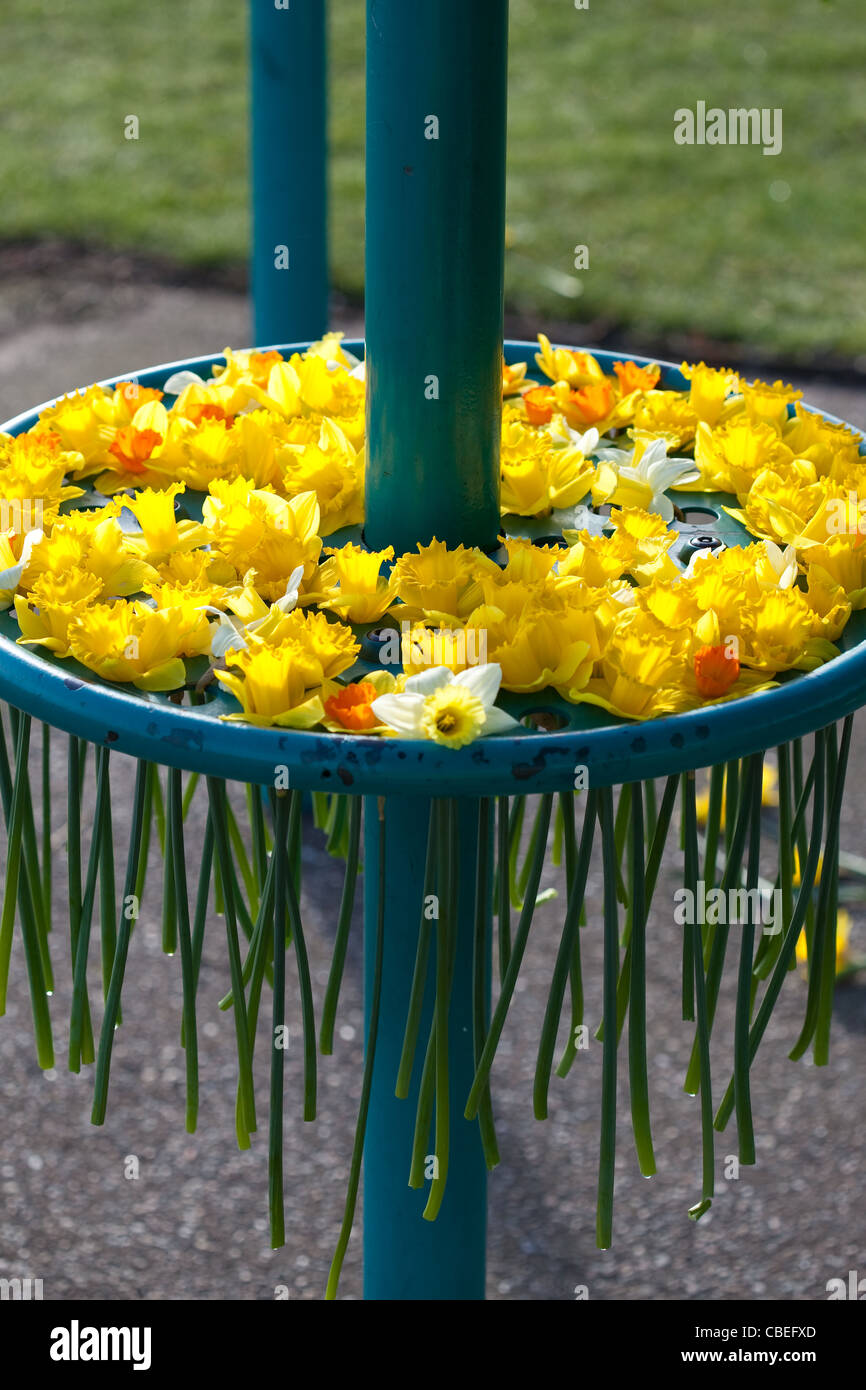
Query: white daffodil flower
{"x": 225, "y": 635}
{"x": 783, "y": 564}
{"x": 563, "y": 436}
{"x": 11, "y": 578}
{"x": 451, "y": 710}
{"x": 649, "y": 478}
{"x": 179, "y": 381}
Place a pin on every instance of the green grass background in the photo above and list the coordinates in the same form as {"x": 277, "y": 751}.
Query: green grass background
{"x": 679, "y": 238}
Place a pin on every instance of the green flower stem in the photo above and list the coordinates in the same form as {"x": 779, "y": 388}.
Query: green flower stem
{"x": 742, "y": 1017}
{"x": 446, "y": 938}
{"x": 717, "y": 940}
{"x": 435, "y": 849}
{"x": 243, "y": 862}
{"x": 691, "y": 883}
{"x": 111, "y": 1015}
{"x": 607, "y": 1148}
{"x": 260, "y": 961}
{"x": 80, "y": 1004}
{"x": 620, "y": 832}
{"x": 169, "y": 887}
{"x": 258, "y": 834}
{"x": 787, "y": 951}
{"x": 819, "y": 1001}
{"x": 202, "y": 895}
{"x": 659, "y": 838}
{"x": 275, "y": 1133}
{"x": 575, "y": 991}
{"x": 366, "y": 1085}
{"x": 338, "y": 826}
{"x": 568, "y": 943}
{"x": 651, "y": 809}
{"x": 424, "y": 1112}
{"x": 523, "y": 877}
{"x": 306, "y": 988}
{"x": 159, "y": 808}
{"x": 73, "y": 862}
{"x": 515, "y": 825}
{"x": 217, "y": 794}
{"x": 188, "y": 794}
{"x": 29, "y": 930}
{"x": 187, "y": 965}
{"x": 637, "y": 1060}
{"x": 29, "y": 888}
{"x": 714, "y": 817}
{"x": 344, "y": 927}
{"x": 821, "y": 1049}
{"x": 46, "y": 841}
{"x": 107, "y": 893}
{"x": 702, "y": 1028}
{"x": 30, "y": 884}
{"x": 558, "y": 833}
{"x": 480, "y": 981}
{"x": 732, "y": 799}
{"x": 145, "y": 833}
{"x": 503, "y": 899}
{"x": 482, "y": 1072}
{"x": 575, "y": 973}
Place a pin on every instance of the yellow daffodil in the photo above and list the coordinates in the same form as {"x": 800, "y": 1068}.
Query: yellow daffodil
{"x": 351, "y": 584}
{"x": 273, "y": 684}
{"x": 565, "y": 364}
{"x": 334, "y": 470}
{"x": 52, "y": 604}
{"x": 94, "y": 542}
{"x": 133, "y": 643}
{"x": 709, "y": 390}
{"x": 438, "y": 582}
{"x": 537, "y": 475}
{"x": 731, "y": 457}
{"x": 254, "y": 529}
{"x": 162, "y": 535}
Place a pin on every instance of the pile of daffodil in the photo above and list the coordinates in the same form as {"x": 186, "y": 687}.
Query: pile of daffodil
{"x": 194, "y": 523}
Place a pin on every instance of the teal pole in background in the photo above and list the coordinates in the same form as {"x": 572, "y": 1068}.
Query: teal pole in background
{"x": 406, "y": 1257}
{"x": 289, "y": 262}
{"x": 436, "y": 107}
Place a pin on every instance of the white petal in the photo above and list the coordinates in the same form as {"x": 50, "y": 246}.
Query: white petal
{"x": 178, "y": 381}
{"x": 498, "y": 722}
{"x": 429, "y": 681}
{"x": 482, "y": 681}
{"x": 359, "y": 372}
{"x": 662, "y": 506}
{"x": 11, "y": 578}
{"x": 401, "y": 712}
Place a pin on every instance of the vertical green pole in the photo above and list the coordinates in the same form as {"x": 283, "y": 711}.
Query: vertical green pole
{"x": 436, "y": 100}
{"x": 289, "y": 263}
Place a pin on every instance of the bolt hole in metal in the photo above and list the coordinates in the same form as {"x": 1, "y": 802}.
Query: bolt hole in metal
{"x": 546, "y": 721}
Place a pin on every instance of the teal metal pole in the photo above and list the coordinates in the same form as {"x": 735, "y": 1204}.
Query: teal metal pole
{"x": 289, "y": 263}
{"x": 436, "y": 104}
{"x": 406, "y": 1257}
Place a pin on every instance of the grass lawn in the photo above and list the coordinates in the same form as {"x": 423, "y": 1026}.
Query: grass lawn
{"x": 767, "y": 250}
